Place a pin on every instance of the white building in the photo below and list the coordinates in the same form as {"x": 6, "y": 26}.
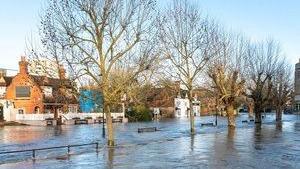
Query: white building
{"x": 182, "y": 105}
{"x": 44, "y": 68}
{"x": 7, "y": 110}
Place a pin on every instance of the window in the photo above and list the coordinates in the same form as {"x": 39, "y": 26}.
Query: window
{"x": 21, "y": 111}
{"x": 47, "y": 91}
{"x": 22, "y": 91}
{"x": 37, "y": 110}
{"x": 72, "y": 109}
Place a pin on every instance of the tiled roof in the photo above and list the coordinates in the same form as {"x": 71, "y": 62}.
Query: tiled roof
{"x": 7, "y": 80}
{"x": 55, "y": 83}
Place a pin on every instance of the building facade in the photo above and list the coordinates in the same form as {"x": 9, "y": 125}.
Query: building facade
{"x": 90, "y": 100}
{"x": 43, "y": 67}
{"x": 30, "y": 94}
{"x": 172, "y": 101}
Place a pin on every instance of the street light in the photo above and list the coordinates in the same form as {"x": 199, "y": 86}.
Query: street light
{"x": 217, "y": 110}
{"x": 103, "y": 128}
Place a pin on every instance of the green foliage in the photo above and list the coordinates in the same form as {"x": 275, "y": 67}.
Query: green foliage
{"x": 139, "y": 113}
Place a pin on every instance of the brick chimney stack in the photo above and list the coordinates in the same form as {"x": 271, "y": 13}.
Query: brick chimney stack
{"x": 23, "y": 66}
{"x": 62, "y": 72}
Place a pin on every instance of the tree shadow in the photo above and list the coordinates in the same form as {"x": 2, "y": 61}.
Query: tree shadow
{"x": 192, "y": 142}
{"x": 278, "y": 126}
{"x": 110, "y": 161}
{"x": 230, "y": 137}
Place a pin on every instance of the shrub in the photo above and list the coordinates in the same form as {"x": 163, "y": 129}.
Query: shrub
{"x": 139, "y": 113}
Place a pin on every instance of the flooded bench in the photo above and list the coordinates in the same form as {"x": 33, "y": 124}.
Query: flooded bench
{"x": 147, "y": 129}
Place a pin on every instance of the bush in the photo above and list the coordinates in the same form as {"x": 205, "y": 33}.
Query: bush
{"x": 139, "y": 113}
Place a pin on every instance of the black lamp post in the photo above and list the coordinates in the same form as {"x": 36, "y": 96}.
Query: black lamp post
{"x": 103, "y": 128}
{"x": 217, "y": 109}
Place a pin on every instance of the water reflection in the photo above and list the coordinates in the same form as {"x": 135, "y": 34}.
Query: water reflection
{"x": 270, "y": 145}
{"x": 110, "y": 162}
{"x": 230, "y": 137}
{"x": 192, "y": 142}
{"x": 279, "y": 126}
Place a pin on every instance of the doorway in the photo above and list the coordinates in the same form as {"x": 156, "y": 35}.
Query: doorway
{"x": 1, "y": 112}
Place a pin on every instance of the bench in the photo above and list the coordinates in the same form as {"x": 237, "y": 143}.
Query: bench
{"x": 49, "y": 122}
{"x": 207, "y": 124}
{"x": 147, "y": 129}
{"x": 117, "y": 120}
{"x": 81, "y": 121}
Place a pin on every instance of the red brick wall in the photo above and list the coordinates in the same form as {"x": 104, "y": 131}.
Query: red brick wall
{"x": 28, "y": 104}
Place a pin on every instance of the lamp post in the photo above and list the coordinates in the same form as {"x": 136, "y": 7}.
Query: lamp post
{"x": 217, "y": 109}
{"x": 103, "y": 128}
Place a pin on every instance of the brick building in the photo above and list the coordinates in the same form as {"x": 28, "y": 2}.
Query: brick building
{"x": 166, "y": 98}
{"x": 38, "y": 94}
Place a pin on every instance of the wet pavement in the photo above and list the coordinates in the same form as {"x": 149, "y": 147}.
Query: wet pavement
{"x": 271, "y": 145}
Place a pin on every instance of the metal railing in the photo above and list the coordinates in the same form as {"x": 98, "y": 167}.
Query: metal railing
{"x": 50, "y": 148}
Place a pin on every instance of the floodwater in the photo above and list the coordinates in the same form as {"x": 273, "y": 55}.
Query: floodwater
{"x": 271, "y": 145}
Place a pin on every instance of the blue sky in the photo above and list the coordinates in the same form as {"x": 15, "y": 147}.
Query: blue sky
{"x": 257, "y": 19}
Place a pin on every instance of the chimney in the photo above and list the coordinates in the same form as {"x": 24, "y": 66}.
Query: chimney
{"x": 2, "y": 80}
{"x": 2, "y": 72}
{"x": 23, "y": 66}
{"x": 62, "y": 72}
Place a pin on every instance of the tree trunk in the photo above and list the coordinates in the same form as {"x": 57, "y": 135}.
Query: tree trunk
{"x": 258, "y": 116}
{"x": 191, "y": 112}
{"x": 230, "y": 115}
{"x": 55, "y": 113}
{"x": 192, "y": 118}
{"x": 109, "y": 125}
{"x": 250, "y": 110}
{"x": 257, "y": 111}
{"x": 278, "y": 113}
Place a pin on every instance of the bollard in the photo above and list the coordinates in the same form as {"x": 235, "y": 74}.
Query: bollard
{"x": 68, "y": 149}
{"x": 97, "y": 147}
{"x": 33, "y": 154}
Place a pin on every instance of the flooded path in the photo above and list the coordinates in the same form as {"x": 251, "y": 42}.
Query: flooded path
{"x": 271, "y": 145}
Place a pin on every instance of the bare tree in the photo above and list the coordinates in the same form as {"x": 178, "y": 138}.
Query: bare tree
{"x": 281, "y": 89}
{"x": 102, "y": 37}
{"x": 262, "y": 61}
{"x": 188, "y": 42}
{"x": 227, "y": 75}
{"x": 46, "y": 65}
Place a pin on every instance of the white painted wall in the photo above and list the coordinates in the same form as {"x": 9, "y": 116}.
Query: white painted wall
{"x": 9, "y": 111}
{"x": 2, "y": 91}
{"x": 69, "y": 116}
{"x": 182, "y": 106}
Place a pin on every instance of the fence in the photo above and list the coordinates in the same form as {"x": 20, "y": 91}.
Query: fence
{"x": 23, "y": 117}
{"x": 49, "y": 148}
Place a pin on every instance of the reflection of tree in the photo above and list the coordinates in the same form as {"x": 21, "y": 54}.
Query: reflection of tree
{"x": 257, "y": 136}
{"x": 278, "y": 126}
{"x": 57, "y": 130}
{"x": 110, "y": 162}
{"x": 230, "y": 137}
{"x": 192, "y": 142}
